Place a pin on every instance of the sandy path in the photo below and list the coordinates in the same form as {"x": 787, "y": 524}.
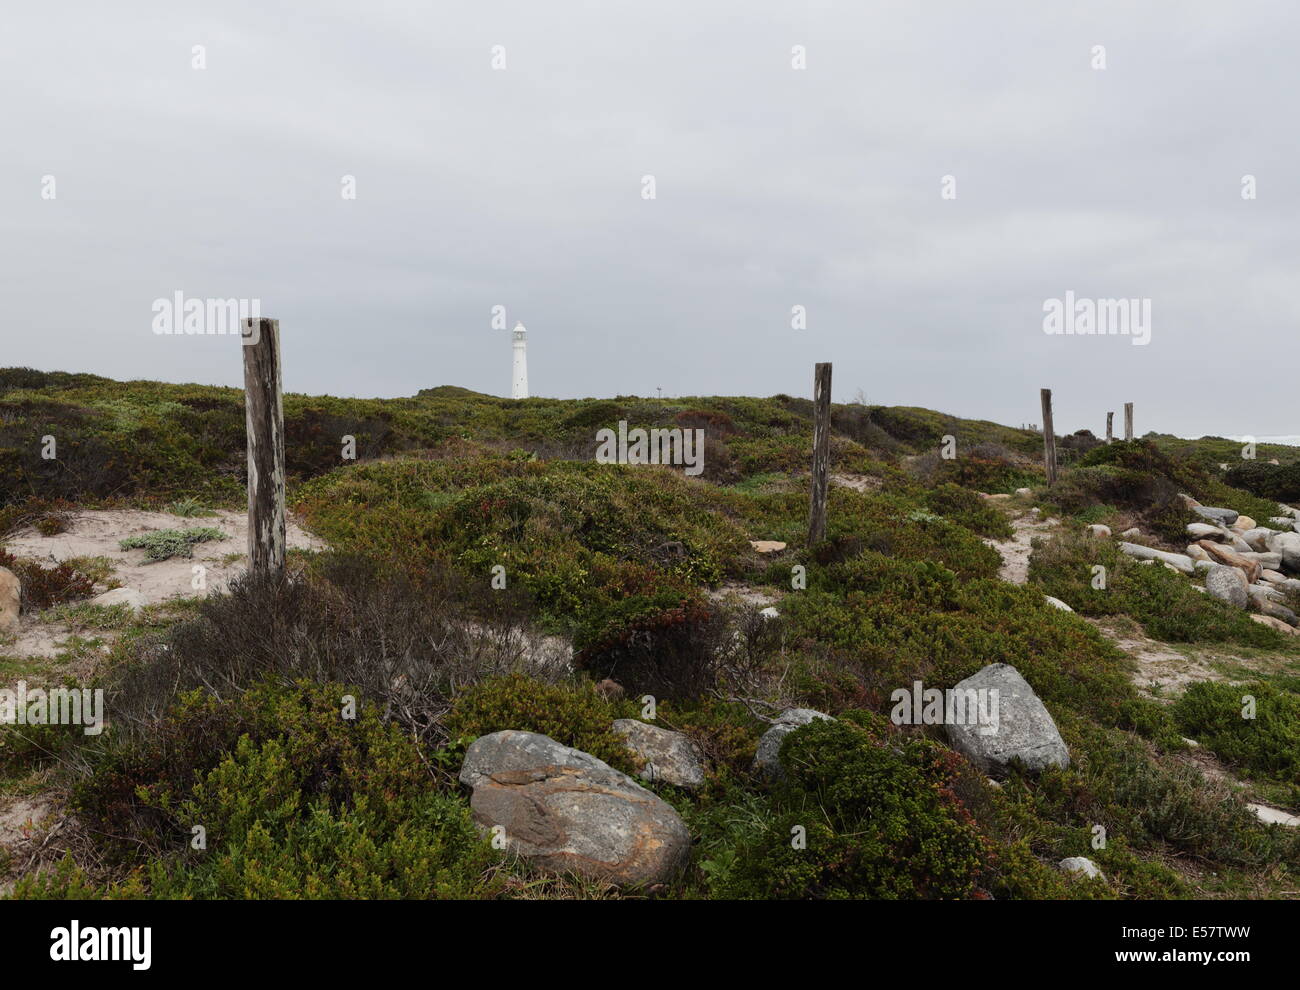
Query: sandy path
{"x": 97, "y": 533}
{"x": 1016, "y": 551}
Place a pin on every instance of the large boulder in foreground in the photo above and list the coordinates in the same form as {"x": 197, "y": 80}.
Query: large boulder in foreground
{"x": 663, "y": 756}
{"x": 1024, "y": 729}
{"x": 767, "y": 762}
{"x": 568, "y": 812}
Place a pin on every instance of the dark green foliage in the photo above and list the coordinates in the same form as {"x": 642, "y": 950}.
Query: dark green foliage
{"x": 964, "y": 507}
{"x": 296, "y": 801}
{"x": 880, "y": 818}
{"x": 1279, "y": 482}
{"x": 1267, "y": 744}
{"x": 1168, "y": 519}
{"x": 895, "y": 622}
{"x": 573, "y": 715}
{"x": 1143, "y": 477}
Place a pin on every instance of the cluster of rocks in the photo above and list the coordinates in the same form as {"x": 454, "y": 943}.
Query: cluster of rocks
{"x": 568, "y": 812}
{"x": 1245, "y": 564}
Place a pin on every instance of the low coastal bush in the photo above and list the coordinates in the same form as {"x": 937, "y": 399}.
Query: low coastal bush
{"x": 295, "y": 799}
{"x": 861, "y": 816}
{"x": 1255, "y": 726}
{"x": 571, "y": 714}
{"x": 896, "y": 622}
{"x": 1166, "y": 604}
{"x": 1279, "y": 482}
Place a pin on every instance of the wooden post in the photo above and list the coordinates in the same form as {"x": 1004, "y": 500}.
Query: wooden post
{"x": 1128, "y": 421}
{"x": 1110, "y": 424}
{"x": 1049, "y": 438}
{"x": 821, "y": 452}
{"x": 264, "y": 419}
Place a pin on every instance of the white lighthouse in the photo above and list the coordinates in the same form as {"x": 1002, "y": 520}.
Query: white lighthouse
{"x": 519, "y": 371}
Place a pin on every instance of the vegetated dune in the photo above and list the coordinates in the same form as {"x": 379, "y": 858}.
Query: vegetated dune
{"x": 489, "y": 597}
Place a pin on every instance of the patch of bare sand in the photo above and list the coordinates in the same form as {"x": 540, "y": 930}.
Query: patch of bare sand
{"x": 23, "y": 822}
{"x": 98, "y": 532}
{"x": 858, "y": 482}
{"x": 736, "y": 593}
{"x": 1162, "y": 671}
{"x": 1016, "y": 551}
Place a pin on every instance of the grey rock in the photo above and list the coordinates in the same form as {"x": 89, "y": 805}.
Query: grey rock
{"x": 1080, "y": 864}
{"x": 1228, "y": 584}
{"x": 1178, "y": 560}
{"x": 1267, "y": 561}
{"x": 663, "y": 755}
{"x": 1257, "y": 538}
{"x": 767, "y": 759}
{"x": 1275, "y": 611}
{"x": 1024, "y": 730}
{"x": 1264, "y": 591}
{"x": 1225, "y": 517}
{"x": 1288, "y": 545}
{"x": 1057, "y": 603}
{"x": 566, "y": 811}
{"x": 121, "y": 596}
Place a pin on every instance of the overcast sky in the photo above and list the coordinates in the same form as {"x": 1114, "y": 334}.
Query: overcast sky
{"x": 774, "y": 187}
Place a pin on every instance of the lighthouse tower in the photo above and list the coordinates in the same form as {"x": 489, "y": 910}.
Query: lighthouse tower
{"x": 519, "y": 372}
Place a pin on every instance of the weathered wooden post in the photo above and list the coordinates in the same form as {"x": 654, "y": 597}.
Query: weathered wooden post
{"x": 1128, "y": 421}
{"x": 1049, "y": 438}
{"x": 1110, "y": 424}
{"x": 264, "y": 419}
{"x": 821, "y": 452}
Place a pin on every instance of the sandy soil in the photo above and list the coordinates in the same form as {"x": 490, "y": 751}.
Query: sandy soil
{"x": 1162, "y": 672}
{"x": 858, "y": 482}
{"x": 96, "y": 533}
{"x": 24, "y": 823}
{"x": 1016, "y": 551}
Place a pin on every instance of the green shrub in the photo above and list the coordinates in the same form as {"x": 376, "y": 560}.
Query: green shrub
{"x": 571, "y": 714}
{"x": 895, "y": 622}
{"x": 878, "y": 816}
{"x": 1279, "y": 482}
{"x": 967, "y": 509}
{"x": 1267, "y": 744}
{"x": 296, "y": 799}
